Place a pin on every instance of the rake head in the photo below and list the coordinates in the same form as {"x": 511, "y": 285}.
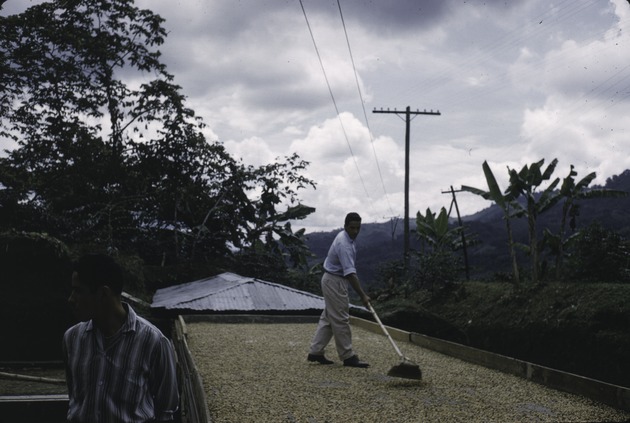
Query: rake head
{"x": 407, "y": 370}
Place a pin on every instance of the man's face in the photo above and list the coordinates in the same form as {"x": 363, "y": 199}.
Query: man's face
{"x": 82, "y": 301}
{"x": 353, "y": 229}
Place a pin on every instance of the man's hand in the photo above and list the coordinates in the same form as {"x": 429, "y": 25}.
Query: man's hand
{"x": 366, "y": 301}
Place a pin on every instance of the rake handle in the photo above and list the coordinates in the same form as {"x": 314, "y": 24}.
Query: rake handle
{"x": 402, "y": 357}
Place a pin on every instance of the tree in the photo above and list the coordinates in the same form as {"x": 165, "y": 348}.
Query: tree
{"x": 571, "y": 192}
{"x": 504, "y": 201}
{"x": 108, "y": 152}
{"x": 437, "y": 262}
{"x": 293, "y": 244}
{"x": 192, "y": 192}
{"x": 599, "y": 255}
{"x": 73, "y": 115}
{"x": 66, "y": 75}
{"x": 435, "y": 230}
{"x": 526, "y": 182}
{"x": 273, "y": 185}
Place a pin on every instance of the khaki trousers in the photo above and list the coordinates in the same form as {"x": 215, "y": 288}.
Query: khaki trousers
{"x": 335, "y": 319}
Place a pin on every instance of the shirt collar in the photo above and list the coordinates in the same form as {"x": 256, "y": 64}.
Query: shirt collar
{"x": 132, "y": 318}
{"x": 128, "y": 326}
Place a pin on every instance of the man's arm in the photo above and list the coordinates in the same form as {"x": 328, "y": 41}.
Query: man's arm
{"x": 356, "y": 285}
{"x": 165, "y": 389}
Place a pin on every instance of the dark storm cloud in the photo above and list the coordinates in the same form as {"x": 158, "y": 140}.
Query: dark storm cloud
{"x": 403, "y": 15}
{"x": 383, "y": 16}
{"x": 293, "y": 97}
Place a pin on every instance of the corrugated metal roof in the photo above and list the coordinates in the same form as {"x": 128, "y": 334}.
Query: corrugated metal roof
{"x": 232, "y": 292}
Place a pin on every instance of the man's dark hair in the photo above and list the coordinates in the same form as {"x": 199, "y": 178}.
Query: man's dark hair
{"x": 96, "y": 270}
{"x": 352, "y": 217}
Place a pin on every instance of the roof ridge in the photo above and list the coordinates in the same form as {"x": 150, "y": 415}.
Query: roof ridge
{"x": 310, "y": 294}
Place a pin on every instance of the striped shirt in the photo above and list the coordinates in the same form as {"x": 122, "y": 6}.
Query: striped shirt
{"x": 128, "y": 378}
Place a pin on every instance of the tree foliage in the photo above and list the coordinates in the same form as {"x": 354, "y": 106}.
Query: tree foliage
{"x": 434, "y": 229}
{"x": 504, "y": 201}
{"x": 436, "y": 265}
{"x": 598, "y": 255}
{"x": 108, "y": 154}
{"x": 527, "y": 184}
{"x": 571, "y": 192}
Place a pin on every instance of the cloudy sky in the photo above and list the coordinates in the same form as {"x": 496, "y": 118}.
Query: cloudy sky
{"x": 514, "y": 81}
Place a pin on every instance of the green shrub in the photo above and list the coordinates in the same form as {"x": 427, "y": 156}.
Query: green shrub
{"x": 598, "y": 255}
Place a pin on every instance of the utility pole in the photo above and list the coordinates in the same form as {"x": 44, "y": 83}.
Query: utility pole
{"x": 461, "y": 225}
{"x": 407, "y": 114}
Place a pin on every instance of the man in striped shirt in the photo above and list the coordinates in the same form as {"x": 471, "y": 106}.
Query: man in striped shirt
{"x": 119, "y": 367}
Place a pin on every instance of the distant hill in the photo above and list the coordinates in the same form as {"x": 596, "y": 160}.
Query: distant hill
{"x": 380, "y": 243}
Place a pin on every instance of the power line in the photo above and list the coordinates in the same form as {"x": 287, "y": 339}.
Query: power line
{"x": 335, "y": 103}
{"x": 367, "y": 124}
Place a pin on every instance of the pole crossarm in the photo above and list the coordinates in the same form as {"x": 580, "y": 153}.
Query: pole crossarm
{"x": 407, "y": 112}
{"x": 411, "y": 112}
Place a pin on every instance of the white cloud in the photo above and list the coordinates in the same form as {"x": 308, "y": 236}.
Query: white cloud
{"x": 253, "y": 151}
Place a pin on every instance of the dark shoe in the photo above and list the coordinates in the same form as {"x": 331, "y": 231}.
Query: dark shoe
{"x": 319, "y": 358}
{"x": 355, "y": 362}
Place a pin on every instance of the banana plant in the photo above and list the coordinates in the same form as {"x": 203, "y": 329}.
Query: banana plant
{"x": 572, "y": 191}
{"x": 526, "y": 182}
{"x": 504, "y": 201}
{"x": 434, "y": 229}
